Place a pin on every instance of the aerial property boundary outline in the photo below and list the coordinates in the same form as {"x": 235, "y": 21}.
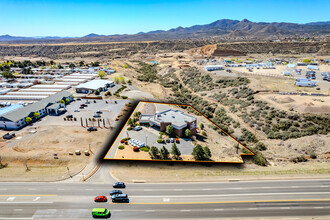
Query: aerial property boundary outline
{"x": 186, "y": 105}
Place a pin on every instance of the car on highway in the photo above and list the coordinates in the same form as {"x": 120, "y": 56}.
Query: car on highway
{"x": 99, "y": 112}
{"x": 116, "y": 191}
{"x": 81, "y": 107}
{"x": 118, "y": 185}
{"x": 101, "y": 213}
{"x": 87, "y": 102}
{"x": 100, "y": 199}
{"x": 97, "y": 116}
{"x": 77, "y": 110}
{"x": 78, "y": 99}
{"x": 69, "y": 116}
{"x": 91, "y": 129}
{"x": 119, "y": 198}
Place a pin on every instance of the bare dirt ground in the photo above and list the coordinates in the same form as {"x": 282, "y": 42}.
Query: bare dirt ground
{"x": 178, "y": 172}
{"x": 301, "y": 104}
{"x": 30, "y": 155}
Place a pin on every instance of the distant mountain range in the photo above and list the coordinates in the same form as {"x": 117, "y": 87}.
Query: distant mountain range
{"x": 221, "y": 28}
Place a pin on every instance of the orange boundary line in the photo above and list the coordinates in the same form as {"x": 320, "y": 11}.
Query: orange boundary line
{"x": 241, "y": 162}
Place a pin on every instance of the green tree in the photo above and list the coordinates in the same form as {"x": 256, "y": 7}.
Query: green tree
{"x": 62, "y": 101}
{"x": 72, "y": 66}
{"x": 97, "y": 92}
{"x": 154, "y": 152}
{"x": 102, "y": 74}
{"x": 175, "y": 151}
{"x": 198, "y": 152}
{"x": 28, "y": 119}
{"x": 260, "y": 146}
{"x": 7, "y": 74}
{"x": 95, "y": 64}
{"x": 164, "y": 153}
{"x": 81, "y": 63}
{"x": 169, "y": 129}
{"x": 207, "y": 152}
{"x": 201, "y": 126}
{"x": 36, "y": 115}
{"x": 116, "y": 79}
{"x": 122, "y": 80}
{"x": 187, "y": 132}
{"x": 125, "y": 66}
{"x": 306, "y": 61}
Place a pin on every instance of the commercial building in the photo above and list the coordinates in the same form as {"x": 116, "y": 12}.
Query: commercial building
{"x": 94, "y": 85}
{"x": 213, "y": 67}
{"x": 16, "y": 119}
{"x": 177, "y": 119}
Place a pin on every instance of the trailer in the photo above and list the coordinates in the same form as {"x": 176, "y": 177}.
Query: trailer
{"x": 305, "y": 83}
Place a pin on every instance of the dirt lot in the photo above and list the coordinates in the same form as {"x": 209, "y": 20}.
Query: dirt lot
{"x": 35, "y": 151}
{"x": 301, "y": 104}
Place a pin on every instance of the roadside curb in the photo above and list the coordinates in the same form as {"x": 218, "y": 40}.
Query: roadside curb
{"x": 96, "y": 168}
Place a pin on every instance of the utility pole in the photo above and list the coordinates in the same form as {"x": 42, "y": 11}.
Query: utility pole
{"x": 68, "y": 172}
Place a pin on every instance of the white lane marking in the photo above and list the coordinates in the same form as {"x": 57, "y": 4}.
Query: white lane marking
{"x": 18, "y": 210}
{"x": 37, "y": 198}
{"x": 166, "y": 199}
{"x": 178, "y": 189}
{"x": 11, "y": 198}
{"x": 60, "y": 189}
{"x": 284, "y": 207}
{"x": 207, "y": 189}
{"x": 241, "y": 194}
{"x": 235, "y": 188}
{"x": 147, "y": 190}
{"x": 185, "y": 210}
{"x": 324, "y": 186}
{"x": 150, "y": 210}
{"x": 116, "y": 210}
{"x": 252, "y": 208}
{"x": 26, "y": 202}
{"x": 218, "y": 209}
{"x": 3, "y": 189}
{"x": 266, "y": 187}
{"x": 89, "y": 189}
{"x": 295, "y": 186}
{"x": 6, "y": 218}
{"x": 32, "y": 189}
{"x": 318, "y": 207}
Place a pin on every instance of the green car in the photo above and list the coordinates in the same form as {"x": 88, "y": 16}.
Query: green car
{"x": 101, "y": 213}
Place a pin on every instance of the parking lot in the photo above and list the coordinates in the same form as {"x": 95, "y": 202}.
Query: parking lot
{"x": 149, "y": 136}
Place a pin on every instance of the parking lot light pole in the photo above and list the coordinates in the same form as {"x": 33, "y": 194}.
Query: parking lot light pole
{"x": 146, "y": 140}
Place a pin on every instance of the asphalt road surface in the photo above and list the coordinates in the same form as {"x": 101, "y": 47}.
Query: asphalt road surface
{"x": 277, "y": 199}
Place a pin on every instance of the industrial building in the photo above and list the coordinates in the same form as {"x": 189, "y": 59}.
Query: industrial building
{"x": 16, "y": 118}
{"x": 94, "y": 85}
{"x": 177, "y": 119}
{"x": 213, "y": 67}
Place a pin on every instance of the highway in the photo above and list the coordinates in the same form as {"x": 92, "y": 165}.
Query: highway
{"x": 254, "y": 199}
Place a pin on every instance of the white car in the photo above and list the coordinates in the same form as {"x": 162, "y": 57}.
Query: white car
{"x": 77, "y": 110}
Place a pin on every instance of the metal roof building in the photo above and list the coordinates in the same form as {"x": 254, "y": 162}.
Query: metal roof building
{"x": 92, "y": 86}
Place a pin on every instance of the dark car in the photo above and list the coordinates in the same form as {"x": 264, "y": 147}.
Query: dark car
{"x": 118, "y": 185}
{"x": 91, "y": 129}
{"x": 120, "y": 198}
{"x": 69, "y": 116}
{"x": 78, "y": 99}
{"x": 8, "y": 136}
{"x": 114, "y": 192}
{"x": 100, "y": 199}
{"x": 81, "y": 107}
{"x": 168, "y": 140}
{"x": 99, "y": 112}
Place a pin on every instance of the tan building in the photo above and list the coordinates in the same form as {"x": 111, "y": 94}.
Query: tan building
{"x": 177, "y": 119}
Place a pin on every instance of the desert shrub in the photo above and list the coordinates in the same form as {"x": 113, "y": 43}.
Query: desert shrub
{"x": 260, "y": 146}
{"x": 145, "y": 148}
{"x": 124, "y": 97}
{"x": 259, "y": 159}
{"x": 298, "y": 159}
{"x": 121, "y": 147}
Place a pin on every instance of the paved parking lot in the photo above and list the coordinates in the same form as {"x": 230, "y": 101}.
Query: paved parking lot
{"x": 149, "y": 135}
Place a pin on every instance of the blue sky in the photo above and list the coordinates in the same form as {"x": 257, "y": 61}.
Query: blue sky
{"x": 81, "y": 17}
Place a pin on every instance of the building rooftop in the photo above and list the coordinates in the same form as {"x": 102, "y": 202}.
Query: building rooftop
{"x": 24, "y": 112}
{"x": 10, "y": 108}
{"x": 94, "y": 84}
{"x": 177, "y": 118}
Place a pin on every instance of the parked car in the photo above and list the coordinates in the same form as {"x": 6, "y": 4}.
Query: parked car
{"x": 168, "y": 140}
{"x": 120, "y": 198}
{"x": 87, "y": 102}
{"x": 78, "y": 99}
{"x": 100, "y": 199}
{"x": 99, "y": 112}
{"x": 69, "y": 116}
{"x": 177, "y": 140}
{"x": 172, "y": 140}
{"x": 91, "y": 129}
{"x": 137, "y": 128}
{"x": 77, "y": 110}
{"x": 8, "y": 136}
{"x": 116, "y": 191}
{"x": 118, "y": 185}
{"x": 81, "y": 107}
{"x": 97, "y": 116}
{"x": 101, "y": 213}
